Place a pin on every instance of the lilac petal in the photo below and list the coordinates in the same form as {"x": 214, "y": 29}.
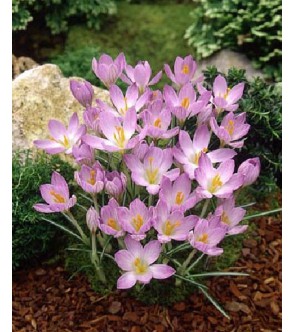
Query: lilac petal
{"x": 51, "y": 147}
{"x": 117, "y": 97}
{"x": 152, "y": 251}
{"x": 215, "y": 251}
{"x": 169, "y": 73}
{"x": 237, "y": 230}
{"x": 234, "y": 183}
{"x": 73, "y": 123}
{"x": 162, "y": 271}
{"x": 124, "y": 259}
{"x": 93, "y": 141}
{"x": 221, "y": 155}
{"x": 59, "y": 180}
{"x": 132, "y": 162}
{"x": 186, "y": 143}
{"x": 231, "y": 108}
{"x": 172, "y": 174}
{"x": 153, "y": 189}
{"x": 57, "y": 129}
{"x": 129, "y": 122}
{"x": 127, "y": 280}
{"x": 220, "y": 102}
{"x": 226, "y": 170}
{"x": 133, "y": 246}
{"x": 219, "y": 86}
{"x": 125, "y": 79}
{"x": 44, "y": 208}
{"x": 201, "y": 138}
{"x": 146, "y": 277}
{"x": 235, "y": 93}
{"x": 132, "y": 95}
{"x": 156, "y": 79}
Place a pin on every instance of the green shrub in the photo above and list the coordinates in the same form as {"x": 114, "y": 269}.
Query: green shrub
{"x": 58, "y": 13}
{"x": 263, "y": 104}
{"x": 252, "y": 27}
{"x": 33, "y": 238}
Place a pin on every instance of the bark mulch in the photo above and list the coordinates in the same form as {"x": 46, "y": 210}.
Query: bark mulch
{"x": 45, "y": 300}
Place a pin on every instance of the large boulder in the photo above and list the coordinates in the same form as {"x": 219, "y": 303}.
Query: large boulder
{"x": 38, "y": 95}
{"x": 226, "y": 59}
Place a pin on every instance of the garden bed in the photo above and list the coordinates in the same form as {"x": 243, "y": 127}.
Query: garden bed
{"x": 44, "y": 299}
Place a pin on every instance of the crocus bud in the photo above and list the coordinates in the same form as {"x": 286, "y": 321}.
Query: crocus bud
{"x": 83, "y": 154}
{"x": 250, "y": 169}
{"x": 115, "y": 183}
{"x": 92, "y": 219}
{"x": 82, "y": 91}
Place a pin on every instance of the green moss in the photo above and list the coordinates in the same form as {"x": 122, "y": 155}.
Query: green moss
{"x": 143, "y": 32}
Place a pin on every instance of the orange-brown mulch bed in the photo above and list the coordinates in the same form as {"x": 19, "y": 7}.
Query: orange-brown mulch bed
{"x": 45, "y": 300}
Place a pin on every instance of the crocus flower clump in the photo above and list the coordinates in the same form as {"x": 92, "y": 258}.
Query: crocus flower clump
{"x": 158, "y": 167}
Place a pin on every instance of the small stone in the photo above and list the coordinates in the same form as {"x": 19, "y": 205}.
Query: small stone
{"x": 115, "y": 307}
{"x": 250, "y": 243}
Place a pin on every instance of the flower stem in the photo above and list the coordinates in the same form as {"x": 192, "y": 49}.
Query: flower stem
{"x": 194, "y": 264}
{"x": 204, "y": 208}
{"x": 95, "y": 259}
{"x": 94, "y": 198}
{"x": 75, "y": 223}
{"x": 150, "y": 203}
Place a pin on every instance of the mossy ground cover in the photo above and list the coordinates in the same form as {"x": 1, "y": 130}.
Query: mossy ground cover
{"x": 152, "y": 32}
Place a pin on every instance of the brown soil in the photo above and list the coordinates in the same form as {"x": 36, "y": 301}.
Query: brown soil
{"x": 44, "y": 299}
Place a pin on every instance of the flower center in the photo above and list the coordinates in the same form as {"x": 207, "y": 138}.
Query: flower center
{"x": 119, "y": 137}
{"x": 230, "y": 127}
{"x": 185, "y": 69}
{"x": 169, "y": 227}
{"x": 179, "y": 198}
{"x": 151, "y": 172}
{"x": 203, "y": 238}
{"x": 216, "y": 183}
{"x": 57, "y": 197}
{"x": 124, "y": 110}
{"x": 197, "y": 155}
{"x": 227, "y": 92}
{"x": 92, "y": 178}
{"x": 225, "y": 218}
{"x": 185, "y": 102}
{"x": 140, "y": 266}
{"x": 158, "y": 123}
{"x": 137, "y": 222}
{"x": 65, "y": 142}
{"x": 113, "y": 224}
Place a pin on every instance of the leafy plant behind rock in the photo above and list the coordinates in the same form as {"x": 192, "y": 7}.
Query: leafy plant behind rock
{"x": 32, "y": 238}
{"x": 252, "y": 27}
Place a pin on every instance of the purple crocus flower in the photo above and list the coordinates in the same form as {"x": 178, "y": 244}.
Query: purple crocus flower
{"x": 178, "y": 195}
{"x": 230, "y": 216}
{"x": 107, "y": 69}
{"x": 250, "y": 169}
{"x": 171, "y": 225}
{"x": 92, "y": 219}
{"x": 156, "y": 121}
{"x": 82, "y": 91}
{"x": 90, "y": 179}
{"x": 231, "y": 129}
{"x": 109, "y": 219}
{"x": 206, "y": 236}
{"x": 91, "y": 118}
{"x": 83, "y": 154}
{"x": 189, "y": 151}
{"x": 220, "y": 182}
{"x": 115, "y": 183}
{"x": 184, "y": 71}
{"x": 150, "y": 172}
{"x": 141, "y": 76}
{"x": 138, "y": 261}
{"x": 118, "y": 132}
{"x": 63, "y": 140}
{"x": 131, "y": 99}
{"x": 56, "y": 195}
{"x": 224, "y": 97}
{"x": 184, "y": 104}
{"x": 136, "y": 220}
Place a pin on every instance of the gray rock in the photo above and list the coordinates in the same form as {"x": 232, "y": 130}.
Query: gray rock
{"x": 38, "y": 95}
{"x": 226, "y": 59}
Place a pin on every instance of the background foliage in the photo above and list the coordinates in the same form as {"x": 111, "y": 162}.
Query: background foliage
{"x": 58, "y": 13}
{"x": 253, "y": 27}
{"x": 33, "y": 238}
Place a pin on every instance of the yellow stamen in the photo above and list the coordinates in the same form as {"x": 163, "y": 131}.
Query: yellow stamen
{"x": 179, "y": 198}
{"x": 185, "y": 69}
{"x": 140, "y": 266}
{"x": 158, "y": 123}
{"x": 203, "y": 238}
{"x": 169, "y": 227}
{"x": 66, "y": 142}
{"x": 124, "y": 110}
{"x": 57, "y": 197}
{"x": 151, "y": 173}
{"x": 185, "y": 102}
{"x": 230, "y": 127}
{"x": 216, "y": 183}
{"x": 227, "y": 92}
{"x": 225, "y": 218}
{"x": 119, "y": 137}
{"x": 137, "y": 222}
{"x": 113, "y": 224}
{"x": 92, "y": 178}
{"x": 196, "y": 158}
